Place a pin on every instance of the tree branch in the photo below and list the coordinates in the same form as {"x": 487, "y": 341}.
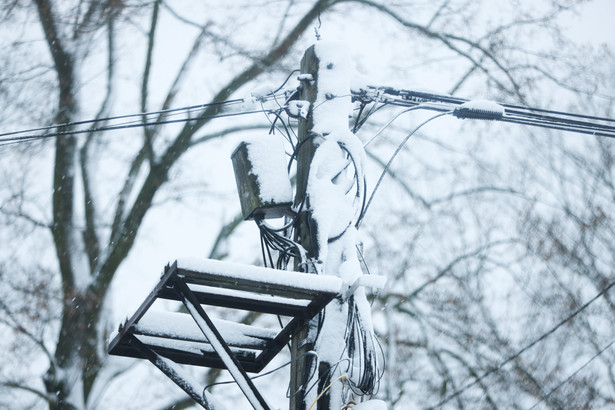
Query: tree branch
{"x": 147, "y": 133}
{"x": 120, "y": 209}
{"x": 15, "y": 385}
{"x": 158, "y": 174}
{"x": 63, "y": 180}
{"x": 448, "y": 39}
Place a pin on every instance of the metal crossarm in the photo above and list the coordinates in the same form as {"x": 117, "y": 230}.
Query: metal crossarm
{"x": 193, "y": 338}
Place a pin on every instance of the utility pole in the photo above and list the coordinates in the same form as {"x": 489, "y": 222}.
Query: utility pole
{"x": 303, "y": 342}
{"x": 329, "y": 196}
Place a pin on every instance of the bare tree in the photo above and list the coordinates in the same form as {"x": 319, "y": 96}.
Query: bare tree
{"x": 445, "y": 249}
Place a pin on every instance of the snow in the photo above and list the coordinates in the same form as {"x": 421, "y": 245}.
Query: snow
{"x": 268, "y": 159}
{"x": 320, "y": 283}
{"x": 249, "y": 295}
{"x": 298, "y": 108}
{"x": 483, "y": 105}
{"x": 332, "y": 103}
{"x": 336, "y": 168}
{"x": 372, "y": 281}
{"x": 334, "y": 211}
{"x": 187, "y": 346}
{"x": 183, "y": 326}
{"x": 371, "y": 405}
{"x": 262, "y": 91}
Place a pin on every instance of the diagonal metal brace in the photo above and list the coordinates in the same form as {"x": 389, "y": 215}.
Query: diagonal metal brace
{"x": 220, "y": 346}
{"x": 174, "y": 373}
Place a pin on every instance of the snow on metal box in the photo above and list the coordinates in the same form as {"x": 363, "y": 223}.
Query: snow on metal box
{"x": 262, "y": 179}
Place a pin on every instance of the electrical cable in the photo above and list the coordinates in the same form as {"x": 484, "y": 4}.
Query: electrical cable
{"x": 14, "y": 137}
{"x": 331, "y": 370}
{"x": 285, "y": 81}
{"x": 566, "y": 380}
{"x": 388, "y": 124}
{"x": 416, "y": 97}
{"x": 559, "y": 120}
{"x": 267, "y": 373}
{"x": 25, "y": 138}
{"x": 278, "y": 239}
{"x": 524, "y": 349}
{"x": 388, "y": 165}
{"x": 119, "y": 117}
{"x": 327, "y": 388}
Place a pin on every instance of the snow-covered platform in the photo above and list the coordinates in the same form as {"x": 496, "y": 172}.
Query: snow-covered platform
{"x": 193, "y": 338}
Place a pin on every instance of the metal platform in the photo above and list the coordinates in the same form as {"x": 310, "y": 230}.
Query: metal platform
{"x": 193, "y": 338}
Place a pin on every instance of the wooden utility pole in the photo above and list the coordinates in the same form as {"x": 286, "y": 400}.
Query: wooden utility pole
{"x": 326, "y": 220}
{"x": 303, "y": 342}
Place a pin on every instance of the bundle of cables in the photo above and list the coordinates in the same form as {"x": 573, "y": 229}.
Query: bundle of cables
{"x": 279, "y": 240}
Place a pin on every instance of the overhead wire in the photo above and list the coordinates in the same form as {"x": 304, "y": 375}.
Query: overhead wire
{"x": 560, "y": 120}
{"x": 133, "y": 124}
{"x": 16, "y": 136}
{"x": 118, "y": 117}
{"x": 567, "y": 379}
{"x": 525, "y": 348}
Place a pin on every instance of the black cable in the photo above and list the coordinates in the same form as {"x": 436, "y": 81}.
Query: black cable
{"x": 559, "y": 120}
{"x": 118, "y": 117}
{"x": 388, "y": 124}
{"x": 375, "y": 108}
{"x": 566, "y": 380}
{"x": 285, "y": 81}
{"x": 419, "y": 97}
{"x": 299, "y": 145}
{"x": 524, "y": 349}
{"x": 286, "y": 130}
{"x": 24, "y": 138}
{"x": 312, "y": 353}
{"x": 124, "y": 125}
{"x": 388, "y": 165}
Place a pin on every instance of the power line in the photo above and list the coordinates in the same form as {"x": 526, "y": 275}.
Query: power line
{"x": 560, "y": 120}
{"x": 24, "y": 138}
{"x": 93, "y": 121}
{"x": 13, "y": 137}
{"x": 567, "y": 379}
{"x": 524, "y": 349}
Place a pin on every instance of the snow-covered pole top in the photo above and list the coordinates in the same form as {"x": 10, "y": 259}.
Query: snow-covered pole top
{"x": 326, "y": 71}
{"x": 332, "y": 104}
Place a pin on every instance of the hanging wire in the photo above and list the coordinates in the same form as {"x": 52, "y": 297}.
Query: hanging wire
{"x": 384, "y": 127}
{"x": 343, "y": 378}
{"x": 388, "y": 165}
{"x": 267, "y": 373}
{"x": 279, "y": 240}
{"x": 119, "y": 117}
{"x": 364, "y": 375}
{"x": 24, "y": 138}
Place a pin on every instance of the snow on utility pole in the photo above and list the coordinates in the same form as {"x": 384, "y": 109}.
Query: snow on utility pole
{"x": 336, "y": 349}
